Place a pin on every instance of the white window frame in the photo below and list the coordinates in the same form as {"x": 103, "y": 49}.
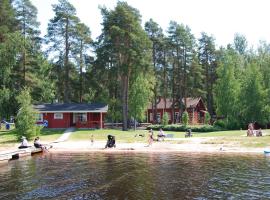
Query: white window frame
{"x": 39, "y": 117}
{"x": 58, "y": 116}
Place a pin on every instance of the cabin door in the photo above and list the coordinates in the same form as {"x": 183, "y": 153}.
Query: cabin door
{"x": 71, "y": 119}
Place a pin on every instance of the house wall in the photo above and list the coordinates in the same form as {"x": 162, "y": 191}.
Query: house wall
{"x": 57, "y": 123}
{"x": 161, "y": 112}
{"x": 194, "y": 116}
{"x": 93, "y": 121}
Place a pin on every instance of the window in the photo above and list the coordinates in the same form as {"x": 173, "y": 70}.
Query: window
{"x": 176, "y": 115}
{"x": 39, "y": 117}
{"x": 81, "y": 117}
{"x": 58, "y": 115}
{"x": 158, "y": 117}
{"x": 151, "y": 116}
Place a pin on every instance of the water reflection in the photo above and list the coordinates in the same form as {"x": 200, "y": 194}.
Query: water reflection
{"x": 136, "y": 176}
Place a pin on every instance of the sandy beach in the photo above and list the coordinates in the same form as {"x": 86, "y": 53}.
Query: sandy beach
{"x": 189, "y": 145}
{"x": 192, "y": 145}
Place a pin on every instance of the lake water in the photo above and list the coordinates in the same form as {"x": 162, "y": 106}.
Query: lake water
{"x": 136, "y": 176}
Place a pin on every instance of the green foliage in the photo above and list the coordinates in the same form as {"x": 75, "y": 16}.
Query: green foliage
{"x": 129, "y": 48}
{"x": 176, "y": 127}
{"x": 207, "y": 118}
{"x": 140, "y": 95}
{"x": 253, "y": 106}
{"x": 62, "y": 41}
{"x": 220, "y": 123}
{"x": 165, "y": 119}
{"x": 227, "y": 88}
{"x": 7, "y": 19}
{"x": 185, "y": 118}
{"x": 207, "y": 58}
{"x": 114, "y": 114}
{"x": 25, "y": 120}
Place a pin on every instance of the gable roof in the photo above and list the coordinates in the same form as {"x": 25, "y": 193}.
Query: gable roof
{"x": 71, "y": 107}
{"x": 191, "y": 103}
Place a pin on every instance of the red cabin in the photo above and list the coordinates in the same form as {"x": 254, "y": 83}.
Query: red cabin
{"x": 194, "y": 106}
{"x": 65, "y": 115}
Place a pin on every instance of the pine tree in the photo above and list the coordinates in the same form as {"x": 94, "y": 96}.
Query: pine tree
{"x": 60, "y": 39}
{"x": 26, "y": 15}
{"x": 128, "y": 45}
{"x": 83, "y": 37}
{"x": 155, "y": 34}
{"x": 207, "y": 58}
{"x": 7, "y": 19}
{"x": 182, "y": 48}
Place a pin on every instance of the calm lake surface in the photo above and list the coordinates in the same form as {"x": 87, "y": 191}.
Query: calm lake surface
{"x": 136, "y": 176}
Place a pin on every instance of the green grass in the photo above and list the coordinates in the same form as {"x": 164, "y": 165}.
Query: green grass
{"x": 229, "y": 138}
{"x": 121, "y": 136}
{"x": 233, "y": 133}
{"x": 50, "y": 135}
{"x": 9, "y": 139}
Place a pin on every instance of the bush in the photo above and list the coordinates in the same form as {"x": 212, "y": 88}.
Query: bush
{"x": 185, "y": 118}
{"x": 26, "y": 121}
{"x": 165, "y": 119}
{"x": 182, "y": 128}
{"x": 207, "y": 118}
{"x": 220, "y": 123}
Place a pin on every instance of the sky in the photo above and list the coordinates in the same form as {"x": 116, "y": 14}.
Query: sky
{"x": 220, "y": 18}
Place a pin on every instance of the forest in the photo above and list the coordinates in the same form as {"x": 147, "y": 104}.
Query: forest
{"x": 129, "y": 66}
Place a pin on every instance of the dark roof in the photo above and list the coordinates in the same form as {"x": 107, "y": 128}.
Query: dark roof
{"x": 72, "y": 107}
{"x": 191, "y": 103}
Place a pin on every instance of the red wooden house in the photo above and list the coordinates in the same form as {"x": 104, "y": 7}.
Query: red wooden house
{"x": 194, "y": 106}
{"x": 79, "y": 115}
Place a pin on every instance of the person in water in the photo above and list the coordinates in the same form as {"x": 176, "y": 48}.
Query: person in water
{"x": 24, "y": 143}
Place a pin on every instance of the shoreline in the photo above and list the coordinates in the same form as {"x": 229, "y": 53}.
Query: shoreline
{"x": 195, "y": 145}
{"x": 157, "y": 147}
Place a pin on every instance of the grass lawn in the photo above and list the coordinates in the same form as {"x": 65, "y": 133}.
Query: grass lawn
{"x": 129, "y": 136}
{"x": 50, "y": 134}
{"x": 9, "y": 139}
{"x": 120, "y": 136}
{"x": 232, "y": 138}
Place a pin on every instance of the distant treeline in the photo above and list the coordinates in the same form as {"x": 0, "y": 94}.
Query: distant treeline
{"x": 128, "y": 66}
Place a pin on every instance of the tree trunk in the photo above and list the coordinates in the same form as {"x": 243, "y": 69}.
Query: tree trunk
{"x": 81, "y": 73}
{"x": 24, "y": 49}
{"x": 66, "y": 65}
{"x": 125, "y": 102}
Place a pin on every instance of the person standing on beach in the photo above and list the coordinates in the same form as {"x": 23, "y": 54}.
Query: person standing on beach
{"x": 92, "y": 140}
{"x": 151, "y": 137}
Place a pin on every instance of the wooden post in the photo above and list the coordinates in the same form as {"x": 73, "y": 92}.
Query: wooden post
{"x": 100, "y": 120}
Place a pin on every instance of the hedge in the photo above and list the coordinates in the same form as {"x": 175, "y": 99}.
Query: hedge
{"x": 182, "y": 128}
